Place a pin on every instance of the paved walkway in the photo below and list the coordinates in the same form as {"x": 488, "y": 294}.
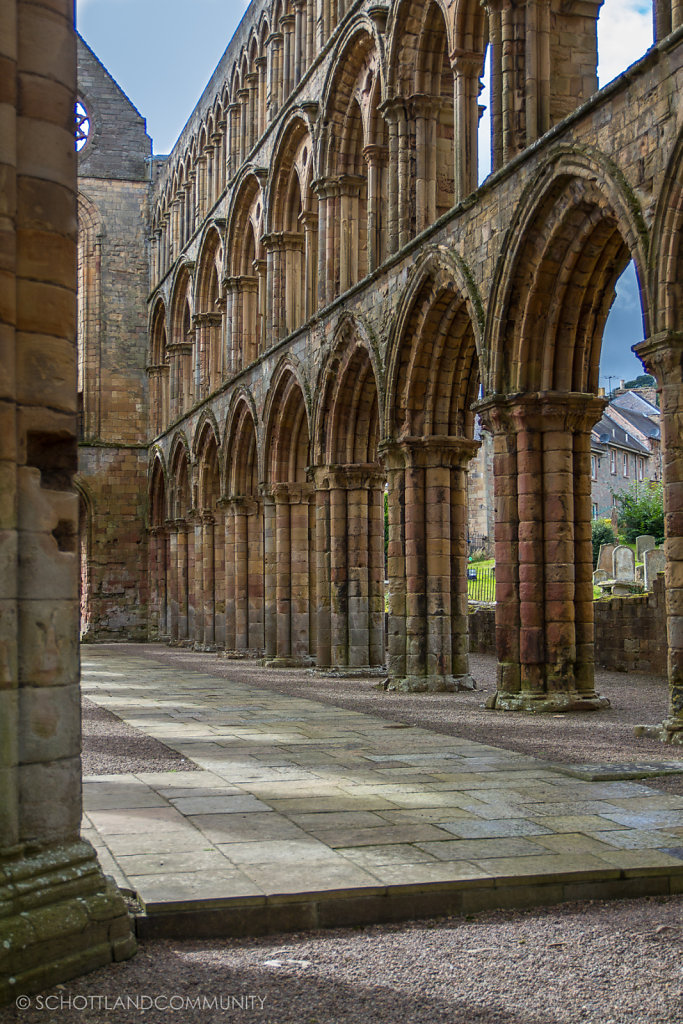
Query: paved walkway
{"x": 304, "y": 815}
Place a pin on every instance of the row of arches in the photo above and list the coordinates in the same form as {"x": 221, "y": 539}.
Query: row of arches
{"x": 277, "y": 513}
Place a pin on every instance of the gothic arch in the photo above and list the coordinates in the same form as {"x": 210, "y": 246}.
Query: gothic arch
{"x": 353, "y": 159}
{"x": 158, "y": 368}
{"x": 241, "y": 466}
{"x": 575, "y": 229}
{"x": 347, "y": 419}
{"x": 666, "y": 279}
{"x": 246, "y": 271}
{"x": 287, "y": 446}
{"x": 182, "y": 383}
{"x": 291, "y": 244}
{"x": 208, "y": 318}
{"x": 433, "y": 374}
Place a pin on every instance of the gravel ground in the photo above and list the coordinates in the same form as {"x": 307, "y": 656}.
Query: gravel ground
{"x": 112, "y": 747}
{"x": 593, "y": 962}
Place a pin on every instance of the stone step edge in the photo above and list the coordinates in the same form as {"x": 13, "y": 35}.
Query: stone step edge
{"x": 245, "y": 917}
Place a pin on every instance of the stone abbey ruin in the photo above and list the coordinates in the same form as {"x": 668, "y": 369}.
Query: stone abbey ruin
{"x": 299, "y": 309}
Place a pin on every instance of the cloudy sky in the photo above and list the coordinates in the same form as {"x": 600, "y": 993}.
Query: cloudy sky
{"x": 162, "y": 53}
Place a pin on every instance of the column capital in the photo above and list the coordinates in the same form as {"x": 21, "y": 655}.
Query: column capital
{"x": 543, "y": 411}
{"x": 662, "y": 356}
{"x": 428, "y": 452}
{"x": 353, "y": 477}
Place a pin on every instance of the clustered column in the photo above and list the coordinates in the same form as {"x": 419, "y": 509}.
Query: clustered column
{"x": 427, "y": 481}
{"x": 350, "y": 566}
{"x": 544, "y": 606}
{"x": 662, "y": 356}
{"x": 289, "y": 575}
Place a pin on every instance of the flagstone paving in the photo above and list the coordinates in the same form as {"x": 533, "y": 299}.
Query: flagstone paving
{"x": 304, "y": 815}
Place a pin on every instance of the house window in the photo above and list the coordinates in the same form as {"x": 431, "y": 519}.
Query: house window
{"x": 641, "y": 468}
{"x": 594, "y": 467}
{"x": 595, "y": 510}
{"x": 625, "y": 464}
{"x": 613, "y": 462}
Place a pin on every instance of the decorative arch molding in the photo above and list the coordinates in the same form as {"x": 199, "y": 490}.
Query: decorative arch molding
{"x": 359, "y": 26}
{"x": 449, "y": 272}
{"x": 295, "y": 126}
{"x": 242, "y": 398}
{"x": 666, "y": 272}
{"x": 207, "y": 422}
{"x": 399, "y": 12}
{"x": 287, "y": 364}
{"x": 351, "y": 335}
{"x": 571, "y": 177}
{"x": 245, "y": 270}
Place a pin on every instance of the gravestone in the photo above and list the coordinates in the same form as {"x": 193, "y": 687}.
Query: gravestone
{"x": 640, "y": 573}
{"x": 655, "y": 561}
{"x": 599, "y": 576}
{"x": 605, "y": 557}
{"x": 623, "y": 563}
{"x": 643, "y": 544}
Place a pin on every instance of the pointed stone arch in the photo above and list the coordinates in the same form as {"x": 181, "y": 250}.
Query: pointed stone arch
{"x": 181, "y": 346}
{"x": 243, "y": 530}
{"x": 208, "y": 316}
{"x": 158, "y": 368}
{"x": 289, "y": 523}
{"x": 574, "y": 232}
{"x": 246, "y": 271}
{"x": 158, "y": 548}
{"x": 349, "y": 481}
{"x": 291, "y": 241}
{"x": 353, "y": 160}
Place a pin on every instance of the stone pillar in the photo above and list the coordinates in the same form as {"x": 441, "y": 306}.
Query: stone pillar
{"x": 286, "y": 575}
{"x": 274, "y": 44}
{"x": 243, "y": 99}
{"x": 208, "y": 598}
{"x": 269, "y": 575}
{"x": 261, "y": 119}
{"x": 427, "y": 480}
{"x": 173, "y": 592}
{"x": 299, "y": 39}
{"x": 230, "y": 583}
{"x": 310, "y": 223}
{"x": 59, "y": 916}
{"x": 287, "y": 22}
{"x": 184, "y": 579}
{"x": 662, "y": 356}
{"x": 544, "y": 628}
{"x": 233, "y": 133}
{"x": 375, "y": 158}
{"x": 425, "y": 112}
{"x": 467, "y": 68}
{"x": 219, "y": 574}
{"x": 350, "y": 566}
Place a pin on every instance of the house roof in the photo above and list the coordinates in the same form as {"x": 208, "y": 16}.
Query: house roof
{"x": 607, "y": 433}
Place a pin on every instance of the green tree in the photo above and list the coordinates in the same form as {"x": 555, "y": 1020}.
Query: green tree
{"x": 601, "y": 533}
{"x": 645, "y": 380}
{"x": 641, "y": 511}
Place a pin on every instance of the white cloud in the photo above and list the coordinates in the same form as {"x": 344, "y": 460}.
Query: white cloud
{"x": 624, "y": 34}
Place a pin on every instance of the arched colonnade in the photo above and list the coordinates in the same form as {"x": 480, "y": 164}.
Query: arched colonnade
{"x": 299, "y": 481}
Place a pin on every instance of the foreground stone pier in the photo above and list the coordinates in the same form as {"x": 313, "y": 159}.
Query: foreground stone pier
{"x": 59, "y": 916}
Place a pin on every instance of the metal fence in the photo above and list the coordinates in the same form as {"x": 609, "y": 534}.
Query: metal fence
{"x": 481, "y": 583}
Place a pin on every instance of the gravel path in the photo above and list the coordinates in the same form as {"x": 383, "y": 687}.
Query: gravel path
{"x": 112, "y": 747}
{"x": 594, "y": 962}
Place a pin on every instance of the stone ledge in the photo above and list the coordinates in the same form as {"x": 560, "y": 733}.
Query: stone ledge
{"x": 285, "y": 913}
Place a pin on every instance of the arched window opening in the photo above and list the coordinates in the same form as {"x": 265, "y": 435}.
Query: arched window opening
{"x": 245, "y": 284}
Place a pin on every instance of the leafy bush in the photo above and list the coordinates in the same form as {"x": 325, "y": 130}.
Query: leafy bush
{"x": 641, "y": 511}
{"x": 601, "y": 533}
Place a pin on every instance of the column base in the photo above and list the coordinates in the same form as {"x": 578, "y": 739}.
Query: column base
{"x": 289, "y": 662}
{"x": 355, "y": 672}
{"x": 557, "y": 702}
{"x": 59, "y": 918}
{"x": 243, "y": 653}
{"x": 668, "y": 731}
{"x": 429, "y": 684}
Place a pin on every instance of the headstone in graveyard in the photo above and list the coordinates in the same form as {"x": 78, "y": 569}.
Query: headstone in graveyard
{"x": 605, "y": 557}
{"x": 623, "y": 563}
{"x": 643, "y": 544}
{"x": 655, "y": 561}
